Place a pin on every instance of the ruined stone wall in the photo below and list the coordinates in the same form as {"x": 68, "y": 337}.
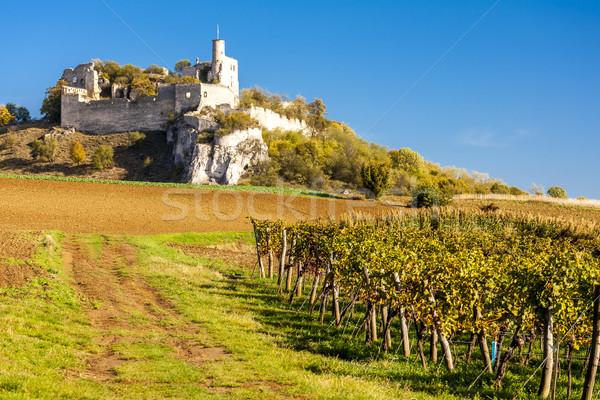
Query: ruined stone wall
{"x": 215, "y": 95}
{"x": 118, "y": 115}
{"x": 187, "y": 96}
{"x": 272, "y": 120}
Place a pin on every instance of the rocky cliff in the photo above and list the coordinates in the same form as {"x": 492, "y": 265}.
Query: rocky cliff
{"x": 208, "y": 159}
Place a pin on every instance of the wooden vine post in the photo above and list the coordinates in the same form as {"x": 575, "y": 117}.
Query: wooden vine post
{"x": 548, "y": 351}
{"x": 261, "y": 267}
{"x": 437, "y": 327}
{"x": 590, "y": 376}
{"x": 270, "y": 253}
{"x": 403, "y": 324}
{"x": 282, "y": 259}
{"x": 288, "y": 280}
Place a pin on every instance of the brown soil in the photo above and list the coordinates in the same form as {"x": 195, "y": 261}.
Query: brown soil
{"x": 16, "y": 253}
{"x": 122, "y": 301}
{"x": 77, "y": 207}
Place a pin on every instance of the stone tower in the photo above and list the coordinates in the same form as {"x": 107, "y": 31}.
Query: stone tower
{"x": 224, "y": 70}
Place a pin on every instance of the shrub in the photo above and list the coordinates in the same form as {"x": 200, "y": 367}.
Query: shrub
{"x": 490, "y": 208}
{"x": 178, "y": 79}
{"x": 375, "y": 177}
{"x": 44, "y": 150}
{"x": 77, "y": 152}
{"x": 136, "y": 138}
{"x": 237, "y": 120}
{"x": 515, "y": 191}
{"x": 429, "y": 197}
{"x": 8, "y": 142}
{"x": 557, "y": 192}
{"x": 103, "y": 157}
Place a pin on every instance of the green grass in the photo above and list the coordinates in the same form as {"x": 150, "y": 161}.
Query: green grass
{"x": 269, "y": 349}
{"x": 45, "y": 335}
{"x": 258, "y": 189}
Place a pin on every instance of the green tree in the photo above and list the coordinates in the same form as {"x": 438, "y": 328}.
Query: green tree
{"x": 103, "y": 157}
{"x": 44, "y": 150}
{"x": 179, "y": 65}
{"x": 557, "y": 192}
{"x": 498, "y": 188}
{"x": 5, "y": 116}
{"x": 77, "y": 152}
{"x": 407, "y": 160}
{"x": 20, "y": 113}
{"x": 51, "y": 104}
{"x": 375, "y": 177}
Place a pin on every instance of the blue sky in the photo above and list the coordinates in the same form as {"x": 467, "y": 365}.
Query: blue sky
{"x": 518, "y": 97}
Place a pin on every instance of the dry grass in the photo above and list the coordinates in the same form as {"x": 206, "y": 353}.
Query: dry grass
{"x": 531, "y": 199}
{"x": 130, "y": 158}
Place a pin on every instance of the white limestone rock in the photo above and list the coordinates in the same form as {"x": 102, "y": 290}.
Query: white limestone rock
{"x": 223, "y": 161}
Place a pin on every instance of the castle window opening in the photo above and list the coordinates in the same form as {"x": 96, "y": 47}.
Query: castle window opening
{"x": 82, "y": 81}
{"x": 188, "y": 95}
{"x": 74, "y": 79}
{"x": 205, "y": 94}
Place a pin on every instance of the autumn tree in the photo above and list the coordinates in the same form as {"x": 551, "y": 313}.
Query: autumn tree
{"x": 142, "y": 87}
{"x": 407, "y": 160}
{"x": 5, "y": 116}
{"x": 316, "y": 115}
{"x": 77, "y": 152}
{"x": 51, "y": 104}
{"x": 375, "y": 177}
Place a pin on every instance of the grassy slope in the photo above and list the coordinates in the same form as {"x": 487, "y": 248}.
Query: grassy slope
{"x": 45, "y": 334}
{"x": 47, "y": 337}
{"x": 274, "y": 351}
{"x": 130, "y": 159}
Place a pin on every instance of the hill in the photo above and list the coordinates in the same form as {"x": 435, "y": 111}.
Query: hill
{"x": 148, "y": 159}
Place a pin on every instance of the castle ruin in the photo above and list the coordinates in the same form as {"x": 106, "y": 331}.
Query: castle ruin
{"x": 92, "y": 104}
{"x": 82, "y": 107}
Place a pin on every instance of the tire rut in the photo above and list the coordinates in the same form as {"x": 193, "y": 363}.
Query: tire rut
{"x": 124, "y": 308}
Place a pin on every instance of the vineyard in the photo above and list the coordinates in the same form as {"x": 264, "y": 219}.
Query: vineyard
{"x": 509, "y": 301}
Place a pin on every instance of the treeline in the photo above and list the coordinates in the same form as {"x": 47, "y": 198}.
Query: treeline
{"x": 332, "y": 155}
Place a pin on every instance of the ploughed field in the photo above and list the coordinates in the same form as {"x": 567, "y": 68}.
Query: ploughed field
{"x": 83, "y": 207}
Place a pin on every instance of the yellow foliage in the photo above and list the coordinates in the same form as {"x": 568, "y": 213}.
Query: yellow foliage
{"x": 5, "y": 116}
{"x": 77, "y": 152}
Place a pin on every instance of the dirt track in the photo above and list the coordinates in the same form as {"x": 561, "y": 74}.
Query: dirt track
{"x": 76, "y": 207}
